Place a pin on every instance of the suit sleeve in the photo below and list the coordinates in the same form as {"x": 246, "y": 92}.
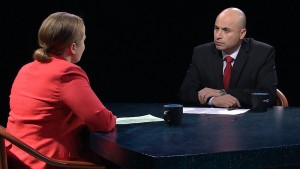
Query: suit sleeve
{"x": 188, "y": 92}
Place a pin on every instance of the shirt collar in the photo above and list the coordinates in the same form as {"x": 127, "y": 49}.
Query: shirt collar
{"x": 233, "y": 55}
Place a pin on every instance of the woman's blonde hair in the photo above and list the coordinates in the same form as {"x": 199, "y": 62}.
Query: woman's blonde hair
{"x": 58, "y": 31}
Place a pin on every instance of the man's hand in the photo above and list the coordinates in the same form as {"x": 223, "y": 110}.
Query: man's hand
{"x": 206, "y": 93}
{"x": 218, "y": 99}
{"x": 226, "y": 101}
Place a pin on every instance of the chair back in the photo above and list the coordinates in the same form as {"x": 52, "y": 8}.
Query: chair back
{"x": 26, "y": 148}
{"x": 281, "y": 99}
{"x": 3, "y": 155}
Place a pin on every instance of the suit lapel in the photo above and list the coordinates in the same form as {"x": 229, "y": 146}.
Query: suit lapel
{"x": 239, "y": 63}
{"x": 217, "y": 65}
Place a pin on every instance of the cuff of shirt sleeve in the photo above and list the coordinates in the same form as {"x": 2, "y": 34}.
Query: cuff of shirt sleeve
{"x": 209, "y": 101}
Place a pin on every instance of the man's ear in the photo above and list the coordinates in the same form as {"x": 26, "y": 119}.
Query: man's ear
{"x": 243, "y": 33}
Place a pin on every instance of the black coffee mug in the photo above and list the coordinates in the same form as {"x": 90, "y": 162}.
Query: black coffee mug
{"x": 260, "y": 102}
{"x": 173, "y": 114}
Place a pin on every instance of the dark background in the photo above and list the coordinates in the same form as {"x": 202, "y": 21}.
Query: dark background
{"x": 139, "y": 51}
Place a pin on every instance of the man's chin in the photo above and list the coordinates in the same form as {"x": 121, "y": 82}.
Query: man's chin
{"x": 220, "y": 47}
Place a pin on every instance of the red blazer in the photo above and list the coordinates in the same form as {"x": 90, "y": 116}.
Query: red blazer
{"x": 50, "y": 105}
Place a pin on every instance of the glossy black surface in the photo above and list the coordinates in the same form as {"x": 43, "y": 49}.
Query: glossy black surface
{"x": 249, "y": 140}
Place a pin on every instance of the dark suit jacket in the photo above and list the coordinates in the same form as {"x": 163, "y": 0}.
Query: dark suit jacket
{"x": 253, "y": 71}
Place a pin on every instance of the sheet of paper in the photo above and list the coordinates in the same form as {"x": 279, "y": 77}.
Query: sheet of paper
{"x": 225, "y": 111}
{"x": 138, "y": 119}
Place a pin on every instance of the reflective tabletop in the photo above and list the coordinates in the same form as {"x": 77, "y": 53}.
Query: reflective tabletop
{"x": 249, "y": 140}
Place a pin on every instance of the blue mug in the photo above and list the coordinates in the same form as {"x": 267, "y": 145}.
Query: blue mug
{"x": 260, "y": 102}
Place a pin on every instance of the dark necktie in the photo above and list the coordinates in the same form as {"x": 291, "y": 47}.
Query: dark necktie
{"x": 227, "y": 71}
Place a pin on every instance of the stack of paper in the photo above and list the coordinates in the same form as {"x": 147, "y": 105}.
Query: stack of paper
{"x": 196, "y": 110}
{"x": 138, "y": 119}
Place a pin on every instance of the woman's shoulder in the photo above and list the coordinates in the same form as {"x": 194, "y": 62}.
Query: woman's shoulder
{"x": 63, "y": 65}
{"x": 56, "y": 67}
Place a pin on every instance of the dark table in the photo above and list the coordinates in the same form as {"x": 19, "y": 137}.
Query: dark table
{"x": 250, "y": 140}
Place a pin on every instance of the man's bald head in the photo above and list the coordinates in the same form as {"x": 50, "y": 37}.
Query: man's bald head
{"x": 234, "y": 14}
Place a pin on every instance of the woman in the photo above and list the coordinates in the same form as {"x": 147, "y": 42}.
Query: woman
{"x": 51, "y": 100}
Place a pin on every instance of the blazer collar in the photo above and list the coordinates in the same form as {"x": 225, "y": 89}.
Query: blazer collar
{"x": 218, "y": 68}
{"x": 239, "y": 62}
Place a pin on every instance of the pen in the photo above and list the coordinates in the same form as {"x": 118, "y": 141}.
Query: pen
{"x": 231, "y": 108}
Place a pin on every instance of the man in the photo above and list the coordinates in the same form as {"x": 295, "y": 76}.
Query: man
{"x": 253, "y": 67}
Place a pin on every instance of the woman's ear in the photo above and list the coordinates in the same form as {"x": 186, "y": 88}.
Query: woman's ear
{"x": 73, "y": 48}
